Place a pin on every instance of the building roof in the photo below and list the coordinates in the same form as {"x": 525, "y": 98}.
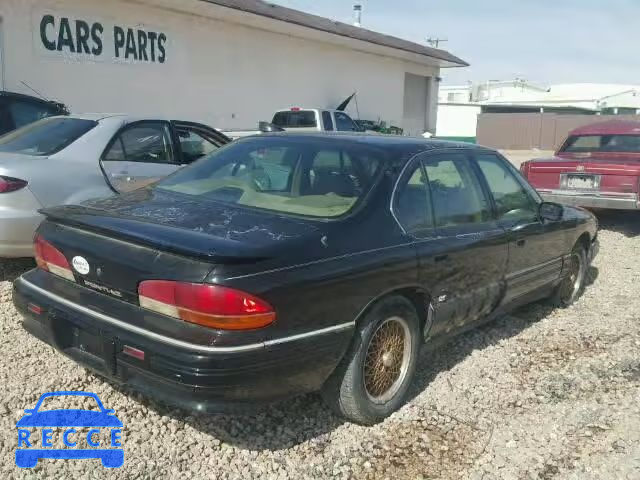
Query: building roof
{"x": 296, "y": 17}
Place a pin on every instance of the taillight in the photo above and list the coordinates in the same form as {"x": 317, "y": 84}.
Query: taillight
{"x": 524, "y": 169}
{"x": 211, "y": 306}
{"x": 49, "y": 258}
{"x": 10, "y": 184}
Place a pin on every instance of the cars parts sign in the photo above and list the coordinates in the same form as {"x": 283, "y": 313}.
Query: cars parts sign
{"x": 78, "y": 39}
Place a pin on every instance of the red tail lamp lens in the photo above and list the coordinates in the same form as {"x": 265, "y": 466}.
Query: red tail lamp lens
{"x": 49, "y": 258}
{"x": 211, "y": 306}
{"x": 9, "y": 184}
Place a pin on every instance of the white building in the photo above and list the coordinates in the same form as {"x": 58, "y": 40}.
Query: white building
{"x": 459, "y": 106}
{"x": 224, "y": 62}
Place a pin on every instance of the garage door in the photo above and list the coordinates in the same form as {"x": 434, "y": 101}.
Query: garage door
{"x": 415, "y": 104}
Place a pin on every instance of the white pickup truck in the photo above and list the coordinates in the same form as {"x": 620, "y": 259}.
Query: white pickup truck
{"x": 303, "y": 120}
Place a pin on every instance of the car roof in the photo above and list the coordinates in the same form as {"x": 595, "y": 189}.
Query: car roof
{"x": 127, "y": 118}
{"x": 619, "y": 127}
{"x": 402, "y": 146}
{"x": 22, "y": 96}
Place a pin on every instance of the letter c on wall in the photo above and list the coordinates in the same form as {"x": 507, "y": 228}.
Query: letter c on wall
{"x": 47, "y": 20}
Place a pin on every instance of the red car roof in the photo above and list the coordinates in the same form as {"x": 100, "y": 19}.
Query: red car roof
{"x": 616, "y": 127}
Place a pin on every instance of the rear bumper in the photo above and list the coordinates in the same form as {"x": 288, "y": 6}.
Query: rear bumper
{"x": 593, "y": 200}
{"x": 195, "y": 377}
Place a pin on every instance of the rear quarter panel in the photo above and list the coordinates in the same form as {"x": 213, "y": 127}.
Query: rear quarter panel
{"x": 73, "y": 175}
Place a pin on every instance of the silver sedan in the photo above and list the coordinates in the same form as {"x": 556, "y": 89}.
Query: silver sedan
{"x": 67, "y": 160}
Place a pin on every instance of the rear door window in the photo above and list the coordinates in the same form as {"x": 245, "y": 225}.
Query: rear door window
{"x": 295, "y": 119}
{"x": 456, "y": 191}
{"x": 412, "y": 205}
{"x": 140, "y": 154}
{"x": 148, "y": 142}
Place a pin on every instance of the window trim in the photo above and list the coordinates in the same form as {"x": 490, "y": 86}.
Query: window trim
{"x": 138, "y": 123}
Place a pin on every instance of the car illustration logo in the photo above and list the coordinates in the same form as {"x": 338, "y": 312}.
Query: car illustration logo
{"x": 580, "y": 168}
{"x": 81, "y": 265}
{"x": 79, "y": 445}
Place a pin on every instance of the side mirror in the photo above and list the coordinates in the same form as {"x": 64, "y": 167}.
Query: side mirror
{"x": 269, "y": 127}
{"x": 550, "y": 211}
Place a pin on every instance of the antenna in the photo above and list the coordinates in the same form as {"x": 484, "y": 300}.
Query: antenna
{"x": 34, "y": 90}
{"x": 435, "y": 42}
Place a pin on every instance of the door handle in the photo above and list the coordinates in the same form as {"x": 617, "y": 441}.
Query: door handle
{"x": 120, "y": 176}
{"x": 520, "y": 242}
{"x": 441, "y": 258}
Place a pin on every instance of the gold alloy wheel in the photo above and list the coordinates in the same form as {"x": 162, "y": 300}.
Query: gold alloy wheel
{"x": 387, "y": 360}
{"x": 572, "y": 283}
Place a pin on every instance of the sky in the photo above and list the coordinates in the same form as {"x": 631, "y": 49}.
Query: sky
{"x": 543, "y": 41}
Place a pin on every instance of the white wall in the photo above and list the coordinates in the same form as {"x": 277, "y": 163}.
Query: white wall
{"x": 222, "y": 73}
{"x": 457, "y": 120}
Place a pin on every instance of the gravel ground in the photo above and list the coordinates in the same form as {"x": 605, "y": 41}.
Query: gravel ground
{"x": 541, "y": 394}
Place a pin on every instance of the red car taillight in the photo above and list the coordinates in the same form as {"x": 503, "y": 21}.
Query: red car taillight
{"x": 49, "y": 258}
{"x": 211, "y": 306}
{"x": 524, "y": 169}
{"x": 9, "y": 184}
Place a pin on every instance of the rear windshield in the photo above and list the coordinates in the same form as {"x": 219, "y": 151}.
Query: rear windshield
{"x": 293, "y": 119}
{"x": 46, "y": 136}
{"x": 322, "y": 178}
{"x": 602, "y": 143}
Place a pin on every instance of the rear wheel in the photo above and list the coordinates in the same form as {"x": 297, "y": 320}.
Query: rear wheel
{"x": 372, "y": 380}
{"x": 573, "y": 284}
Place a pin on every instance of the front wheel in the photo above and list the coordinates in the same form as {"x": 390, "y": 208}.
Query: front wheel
{"x": 572, "y": 286}
{"x": 372, "y": 380}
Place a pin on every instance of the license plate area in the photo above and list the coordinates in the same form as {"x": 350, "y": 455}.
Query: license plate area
{"x": 577, "y": 181}
{"x": 88, "y": 345}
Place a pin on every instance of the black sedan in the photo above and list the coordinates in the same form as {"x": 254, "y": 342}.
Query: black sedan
{"x": 283, "y": 264}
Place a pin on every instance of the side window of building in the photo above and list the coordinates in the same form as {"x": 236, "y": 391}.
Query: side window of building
{"x": 344, "y": 123}
{"x": 327, "y": 121}
{"x": 412, "y": 205}
{"x": 194, "y": 145}
{"x": 512, "y": 200}
{"x": 24, "y": 113}
{"x": 456, "y": 191}
{"x": 145, "y": 143}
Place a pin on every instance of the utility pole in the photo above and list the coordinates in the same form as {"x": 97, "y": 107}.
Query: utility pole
{"x": 435, "y": 42}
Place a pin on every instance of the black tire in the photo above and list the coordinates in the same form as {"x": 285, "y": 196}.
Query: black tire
{"x": 572, "y": 286}
{"x": 346, "y": 390}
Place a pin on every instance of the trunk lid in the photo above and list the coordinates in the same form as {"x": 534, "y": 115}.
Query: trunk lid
{"x": 616, "y": 173}
{"x": 150, "y": 234}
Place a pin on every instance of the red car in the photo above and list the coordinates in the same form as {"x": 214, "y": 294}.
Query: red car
{"x": 597, "y": 166}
